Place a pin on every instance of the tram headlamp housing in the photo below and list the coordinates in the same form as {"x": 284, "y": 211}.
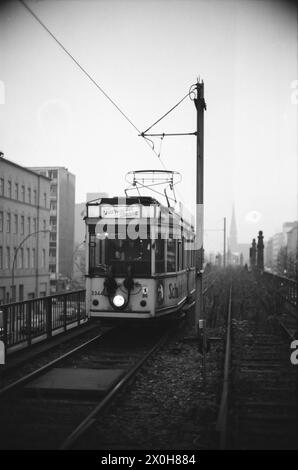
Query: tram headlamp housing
{"x": 118, "y": 301}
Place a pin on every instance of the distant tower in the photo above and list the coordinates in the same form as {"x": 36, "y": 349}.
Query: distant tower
{"x": 260, "y": 251}
{"x": 233, "y": 242}
{"x": 253, "y": 254}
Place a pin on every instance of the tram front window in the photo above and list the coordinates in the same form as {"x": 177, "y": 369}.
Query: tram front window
{"x": 119, "y": 254}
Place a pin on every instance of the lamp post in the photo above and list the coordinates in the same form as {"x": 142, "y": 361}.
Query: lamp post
{"x": 15, "y": 257}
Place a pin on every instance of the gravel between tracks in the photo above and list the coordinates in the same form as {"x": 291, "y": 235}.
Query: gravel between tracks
{"x": 168, "y": 406}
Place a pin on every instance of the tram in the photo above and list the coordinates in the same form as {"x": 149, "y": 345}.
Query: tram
{"x": 140, "y": 258}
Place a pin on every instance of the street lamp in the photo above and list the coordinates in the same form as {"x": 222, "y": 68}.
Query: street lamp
{"x": 15, "y": 257}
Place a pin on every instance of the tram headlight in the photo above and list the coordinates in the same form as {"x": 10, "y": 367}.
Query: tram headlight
{"x": 118, "y": 301}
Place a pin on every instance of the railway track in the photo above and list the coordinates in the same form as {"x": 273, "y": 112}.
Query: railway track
{"x": 52, "y": 407}
{"x": 259, "y": 404}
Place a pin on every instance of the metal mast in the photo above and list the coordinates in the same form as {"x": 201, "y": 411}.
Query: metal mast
{"x": 200, "y": 107}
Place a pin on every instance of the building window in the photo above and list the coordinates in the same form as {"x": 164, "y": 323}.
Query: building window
{"x": 23, "y": 193}
{"x": 28, "y": 225}
{"x": 28, "y": 258}
{"x": 53, "y": 190}
{"x": 53, "y": 224}
{"x": 8, "y": 222}
{"x": 33, "y": 257}
{"x": 29, "y": 195}
{"x": 1, "y": 221}
{"x": 1, "y": 257}
{"x": 53, "y": 205}
{"x": 22, "y": 225}
{"x": 45, "y": 199}
{"x": 14, "y": 260}
{"x": 2, "y": 295}
{"x": 15, "y": 224}
{"x": 43, "y": 259}
{"x": 16, "y": 191}
{"x": 7, "y": 257}
{"x": 1, "y": 186}
{"x": 53, "y": 236}
{"x": 34, "y": 196}
{"x": 21, "y": 258}
{"x": 9, "y": 189}
{"x": 44, "y": 227}
{"x": 34, "y": 225}
{"x": 53, "y": 174}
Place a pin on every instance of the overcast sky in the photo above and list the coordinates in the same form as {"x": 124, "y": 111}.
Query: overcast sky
{"x": 145, "y": 55}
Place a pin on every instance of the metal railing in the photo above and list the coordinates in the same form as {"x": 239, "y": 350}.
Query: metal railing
{"x": 21, "y": 323}
{"x": 286, "y": 288}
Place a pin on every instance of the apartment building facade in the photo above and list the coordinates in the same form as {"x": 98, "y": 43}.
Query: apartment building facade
{"x": 292, "y": 251}
{"x": 281, "y": 251}
{"x": 62, "y": 208}
{"x": 24, "y": 233}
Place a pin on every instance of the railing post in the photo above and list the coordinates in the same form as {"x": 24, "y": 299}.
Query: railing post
{"x": 48, "y": 307}
{"x": 64, "y": 312}
{"x": 12, "y": 320}
{"x": 28, "y": 322}
{"x": 3, "y": 325}
{"x": 79, "y": 307}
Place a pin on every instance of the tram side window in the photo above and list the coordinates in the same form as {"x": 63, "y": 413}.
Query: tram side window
{"x": 171, "y": 255}
{"x": 192, "y": 258}
{"x": 183, "y": 254}
{"x": 186, "y": 256}
{"x": 92, "y": 247}
{"x": 179, "y": 256}
{"x": 160, "y": 256}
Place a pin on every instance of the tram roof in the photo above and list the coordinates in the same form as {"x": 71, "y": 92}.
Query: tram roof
{"x": 132, "y": 200}
{"x": 144, "y": 200}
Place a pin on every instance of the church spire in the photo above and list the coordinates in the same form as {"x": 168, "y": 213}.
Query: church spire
{"x": 233, "y": 242}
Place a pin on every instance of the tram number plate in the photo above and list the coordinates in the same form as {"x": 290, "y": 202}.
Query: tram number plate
{"x": 96, "y": 292}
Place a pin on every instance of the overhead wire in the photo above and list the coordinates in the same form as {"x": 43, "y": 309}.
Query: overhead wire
{"x": 151, "y": 145}
{"x": 86, "y": 73}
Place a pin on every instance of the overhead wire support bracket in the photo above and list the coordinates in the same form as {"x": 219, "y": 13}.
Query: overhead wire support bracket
{"x": 167, "y": 135}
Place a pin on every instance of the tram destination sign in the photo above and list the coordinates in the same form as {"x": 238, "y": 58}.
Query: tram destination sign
{"x": 117, "y": 212}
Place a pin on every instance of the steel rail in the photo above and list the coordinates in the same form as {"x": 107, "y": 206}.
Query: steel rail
{"x": 222, "y": 420}
{"x": 49, "y": 365}
{"x": 90, "y": 419}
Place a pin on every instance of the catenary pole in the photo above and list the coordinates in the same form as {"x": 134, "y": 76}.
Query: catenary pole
{"x": 200, "y": 107}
